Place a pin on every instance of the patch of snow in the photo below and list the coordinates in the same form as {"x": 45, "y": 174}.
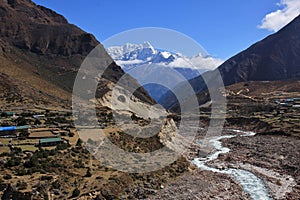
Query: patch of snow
{"x": 166, "y": 54}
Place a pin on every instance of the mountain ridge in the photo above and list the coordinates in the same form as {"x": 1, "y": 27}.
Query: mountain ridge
{"x": 276, "y": 57}
{"x": 37, "y": 42}
{"x": 132, "y": 55}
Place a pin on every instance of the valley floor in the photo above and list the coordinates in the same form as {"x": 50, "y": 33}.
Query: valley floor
{"x": 274, "y": 159}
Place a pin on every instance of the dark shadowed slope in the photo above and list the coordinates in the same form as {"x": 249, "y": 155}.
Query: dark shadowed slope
{"x": 276, "y": 57}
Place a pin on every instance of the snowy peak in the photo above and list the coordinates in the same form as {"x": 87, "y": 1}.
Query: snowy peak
{"x": 146, "y": 52}
{"x": 165, "y": 54}
{"x": 130, "y": 55}
{"x": 163, "y": 57}
{"x": 147, "y": 45}
{"x": 131, "y": 52}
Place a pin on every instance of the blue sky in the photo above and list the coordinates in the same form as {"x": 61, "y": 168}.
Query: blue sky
{"x": 223, "y": 28}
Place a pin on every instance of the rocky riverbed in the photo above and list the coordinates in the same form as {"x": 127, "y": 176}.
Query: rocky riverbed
{"x": 273, "y": 158}
{"x": 202, "y": 185}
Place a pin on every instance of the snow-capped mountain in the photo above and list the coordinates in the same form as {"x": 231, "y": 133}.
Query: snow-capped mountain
{"x": 131, "y": 56}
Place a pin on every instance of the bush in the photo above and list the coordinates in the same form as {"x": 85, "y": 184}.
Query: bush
{"x": 52, "y": 152}
{"x": 33, "y": 170}
{"x": 21, "y": 172}
{"x": 62, "y": 146}
{"x": 32, "y": 162}
{"x": 79, "y": 143}
{"x": 7, "y": 176}
{"x": 56, "y": 184}
{"x": 41, "y": 153}
{"x": 16, "y": 150}
{"x": 46, "y": 178}
{"x": 79, "y": 164}
{"x": 4, "y": 154}
{"x": 37, "y": 122}
{"x": 21, "y": 185}
{"x": 76, "y": 192}
{"x": 3, "y": 186}
{"x": 88, "y": 173}
{"x": 13, "y": 162}
{"x": 4, "y": 114}
{"x": 71, "y": 134}
{"x": 21, "y": 121}
{"x": 61, "y": 120}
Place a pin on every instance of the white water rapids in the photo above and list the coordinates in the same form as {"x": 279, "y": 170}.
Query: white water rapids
{"x": 251, "y": 184}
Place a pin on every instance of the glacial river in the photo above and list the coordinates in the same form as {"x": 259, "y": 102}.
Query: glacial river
{"x": 251, "y": 184}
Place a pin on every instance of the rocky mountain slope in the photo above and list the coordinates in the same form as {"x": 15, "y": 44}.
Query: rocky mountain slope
{"x": 276, "y": 57}
{"x": 40, "y": 52}
{"x": 40, "y": 55}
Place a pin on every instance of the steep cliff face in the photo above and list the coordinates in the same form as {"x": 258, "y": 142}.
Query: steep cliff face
{"x": 39, "y": 47}
{"x": 41, "y": 30}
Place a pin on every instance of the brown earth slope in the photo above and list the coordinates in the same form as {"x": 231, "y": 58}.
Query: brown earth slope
{"x": 40, "y": 52}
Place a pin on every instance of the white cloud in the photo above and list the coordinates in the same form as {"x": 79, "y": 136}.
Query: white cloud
{"x": 197, "y": 62}
{"x": 281, "y": 17}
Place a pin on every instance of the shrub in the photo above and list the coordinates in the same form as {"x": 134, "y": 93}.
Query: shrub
{"x": 79, "y": 164}
{"x": 71, "y": 134}
{"x": 14, "y": 161}
{"x": 37, "y": 122}
{"x": 32, "y": 162}
{"x": 21, "y": 121}
{"x": 21, "y": 172}
{"x": 62, "y": 146}
{"x": 46, "y": 178}
{"x": 56, "y": 184}
{"x": 79, "y": 142}
{"x": 7, "y": 176}
{"x": 76, "y": 192}
{"x": 4, "y": 114}
{"x": 3, "y": 186}
{"x": 88, "y": 173}
{"x": 21, "y": 185}
{"x": 16, "y": 150}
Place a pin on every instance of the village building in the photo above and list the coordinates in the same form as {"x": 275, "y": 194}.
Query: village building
{"x": 12, "y": 131}
{"x": 50, "y": 142}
